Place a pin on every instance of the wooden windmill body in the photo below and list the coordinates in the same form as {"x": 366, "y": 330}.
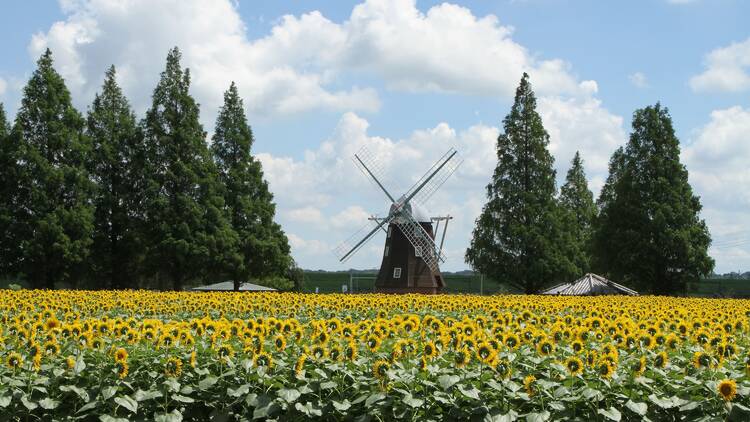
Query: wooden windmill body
{"x": 411, "y": 256}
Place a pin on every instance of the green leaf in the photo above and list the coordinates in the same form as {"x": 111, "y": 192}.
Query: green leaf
{"x": 308, "y": 409}
{"x": 107, "y": 418}
{"x": 141, "y": 395}
{"x": 638, "y": 408}
{"x": 341, "y": 406}
{"x": 28, "y": 403}
{"x": 80, "y": 392}
{"x": 689, "y": 406}
{"x": 88, "y": 406}
{"x": 207, "y": 382}
{"x": 375, "y": 397}
{"x": 663, "y": 403}
{"x": 182, "y": 399}
{"x": 447, "y": 381}
{"x": 472, "y": 393}
{"x": 328, "y": 385}
{"x": 5, "y": 401}
{"x": 538, "y": 417}
{"x": 108, "y": 392}
{"x": 48, "y": 403}
{"x": 289, "y": 395}
{"x": 240, "y": 391}
{"x": 508, "y": 417}
{"x": 173, "y": 416}
{"x": 611, "y": 414}
{"x": 738, "y": 413}
{"x": 413, "y": 402}
{"x": 128, "y": 403}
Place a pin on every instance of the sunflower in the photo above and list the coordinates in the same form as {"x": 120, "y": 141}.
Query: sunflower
{"x": 512, "y": 341}
{"x": 300, "y": 364}
{"x": 373, "y": 342}
{"x": 503, "y": 368}
{"x": 319, "y": 352}
{"x": 280, "y": 343}
{"x": 574, "y": 365}
{"x": 122, "y": 369}
{"x": 351, "y": 351}
{"x": 661, "y": 360}
{"x": 193, "y": 358}
{"x": 70, "y": 362}
{"x": 701, "y": 360}
{"x": 121, "y": 355}
{"x": 335, "y": 353}
{"x": 380, "y": 369}
{"x": 486, "y": 353}
{"x": 639, "y": 366}
{"x": 727, "y": 389}
{"x": 14, "y": 360}
{"x": 528, "y": 384}
{"x": 545, "y": 348}
{"x": 462, "y": 357}
{"x": 263, "y": 359}
{"x": 605, "y": 368}
{"x": 51, "y": 348}
{"x": 173, "y": 367}
{"x": 577, "y": 346}
{"x": 429, "y": 350}
{"x": 225, "y": 351}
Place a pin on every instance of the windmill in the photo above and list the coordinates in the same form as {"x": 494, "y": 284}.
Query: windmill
{"x": 411, "y": 257}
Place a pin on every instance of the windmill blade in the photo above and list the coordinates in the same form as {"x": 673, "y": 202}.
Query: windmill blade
{"x": 357, "y": 240}
{"x": 420, "y": 239}
{"x": 423, "y": 189}
{"x": 372, "y": 168}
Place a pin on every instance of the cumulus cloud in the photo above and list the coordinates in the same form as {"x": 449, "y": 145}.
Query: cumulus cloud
{"x": 717, "y": 158}
{"x": 638, "y": 79}
{"x": 295, "y": 67}
{"x": 727, "y": 70}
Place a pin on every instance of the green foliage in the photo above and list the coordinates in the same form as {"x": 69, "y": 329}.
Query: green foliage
{"x": 649, "y": 233}
{"x": 579, "y": 212}
{"x": 263, "y": 249}
{"x": 53, "y": 214}
{"x": 116, "y": 164}
{"x": 519, "y": 237}
{"x": 8, "y": 247}
{"x": 277, "y": 282}
{"x": 188, "y": 231}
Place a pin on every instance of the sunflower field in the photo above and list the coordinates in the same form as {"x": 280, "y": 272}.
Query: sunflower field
{"x": 137, "y": 355}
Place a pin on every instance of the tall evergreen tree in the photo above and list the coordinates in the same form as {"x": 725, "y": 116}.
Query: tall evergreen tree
{"x": 518, "y": 235}
{"x": 55, "y": 214}
{"x": 650, "y": 217}
{"x": 577, "y": 202}
{"x": 603, "y": 250}
{"x": 263, "y": 246}
{"x": 189, "y": 233}
{"x": 8, "y": 248}
{"x": 116, "y": 165}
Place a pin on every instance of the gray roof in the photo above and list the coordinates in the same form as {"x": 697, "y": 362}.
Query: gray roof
{"x": 229, "y": 286}
{"x": 589, "y": 285}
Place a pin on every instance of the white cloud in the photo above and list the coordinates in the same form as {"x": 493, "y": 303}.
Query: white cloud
{"x": 308, "y": 215}
{"x": 297, "y": 65}
{"x": 727, "y": 70}
{"x": 638, "y": 79}
{"x": 278, "y": 74}
{"x": 717, "y": 158}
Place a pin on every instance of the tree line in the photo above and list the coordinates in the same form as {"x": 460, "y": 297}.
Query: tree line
{"x": 110, "y": 201}
{"x": 644, "y": 230}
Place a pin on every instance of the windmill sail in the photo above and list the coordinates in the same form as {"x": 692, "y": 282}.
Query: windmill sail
{"x": 443, "y": 168}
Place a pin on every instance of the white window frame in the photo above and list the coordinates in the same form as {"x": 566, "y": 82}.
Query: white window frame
{"x": 386, "y": 250}
{"x": 418, "y": 251}
{"x": 397, "y": 272}
{"x": 390, "y": 228}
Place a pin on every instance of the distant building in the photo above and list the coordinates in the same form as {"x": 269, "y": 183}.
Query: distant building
{"x": 589, "y": 285}
{"x": 228, "y": 286}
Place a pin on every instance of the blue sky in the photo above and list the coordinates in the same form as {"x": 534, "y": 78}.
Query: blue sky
{"x": 410, "y": 79}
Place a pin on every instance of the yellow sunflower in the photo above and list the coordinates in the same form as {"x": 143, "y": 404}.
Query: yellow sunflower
{"x": 727, "y": 389}
{"x": 574, "y": 365}
{"x": 380, "y": 369}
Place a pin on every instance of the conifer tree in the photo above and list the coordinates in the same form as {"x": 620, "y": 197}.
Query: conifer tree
{"x": 518, "y": 236}
{"x": 263, "y": 247}
{"x": 578, "y": 202}
{"x": 54, "y": 222}
{"x": 189, "y": 235}
{"x": 116, "y": 165}
{"x": 650, "y": 216}
{"x": 8, "y": 249}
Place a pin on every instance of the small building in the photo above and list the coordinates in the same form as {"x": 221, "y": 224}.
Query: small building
{"x": 589, "y": 285}
{"x": 228, "y": 286}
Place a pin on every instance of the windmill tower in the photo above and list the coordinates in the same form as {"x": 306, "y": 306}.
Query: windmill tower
{"x": 411, "y": 256}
